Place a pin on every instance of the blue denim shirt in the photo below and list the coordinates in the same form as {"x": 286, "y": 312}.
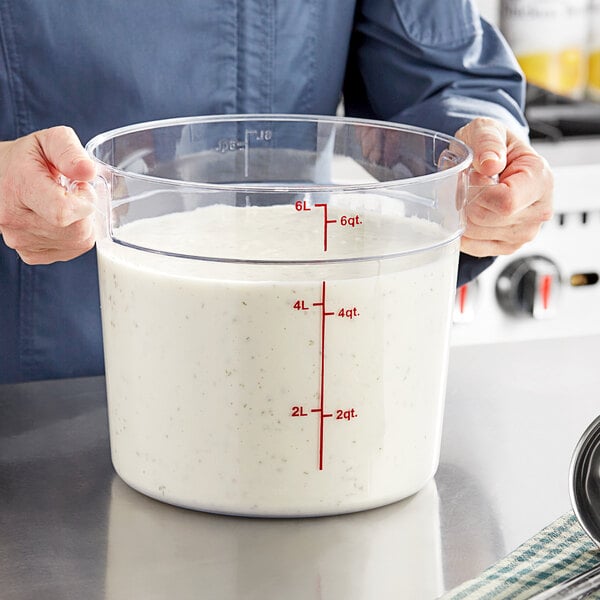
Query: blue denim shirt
{"x": 99, "y": 65}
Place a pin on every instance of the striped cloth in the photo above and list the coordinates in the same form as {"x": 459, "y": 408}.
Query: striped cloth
{"x": 558, "y": 552}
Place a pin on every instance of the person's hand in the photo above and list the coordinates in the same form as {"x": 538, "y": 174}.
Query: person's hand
{"x": 502, "y": 218}
{"x": 39, "y": 218}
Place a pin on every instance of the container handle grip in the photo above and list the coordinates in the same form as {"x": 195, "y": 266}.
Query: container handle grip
{"x": 478, "y": 183}
{"x": 95, "y": 191}
{"x": 474, "y": 183}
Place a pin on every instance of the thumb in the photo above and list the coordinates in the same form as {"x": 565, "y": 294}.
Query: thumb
{"x": 63, "y": 150}
{"x": 487, "y": 139}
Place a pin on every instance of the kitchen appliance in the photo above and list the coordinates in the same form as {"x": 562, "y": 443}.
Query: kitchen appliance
{"x": 276, "y": 302}
{"x": 550, "y": 288}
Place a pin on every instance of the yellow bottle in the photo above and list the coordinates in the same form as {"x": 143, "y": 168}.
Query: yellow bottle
{"x": 593, "y": 79}
{"x": 549, "y": 39}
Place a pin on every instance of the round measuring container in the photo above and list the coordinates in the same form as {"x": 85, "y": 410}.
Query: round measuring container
{"x": 276, "y": 298}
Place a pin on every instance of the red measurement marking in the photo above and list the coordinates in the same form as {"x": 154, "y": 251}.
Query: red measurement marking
{"x": 545, "y": 289}
{"x": 462, "y": 298}
{"x": 346, "y": 415}
{"x": 299, "y": 305}
{"x": 321, "y": 409}
{"x": 302, "y": 206}
{"x": 326, "y": 222}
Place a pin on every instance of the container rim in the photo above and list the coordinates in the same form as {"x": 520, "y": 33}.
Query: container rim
{"x": 96, "y": 141}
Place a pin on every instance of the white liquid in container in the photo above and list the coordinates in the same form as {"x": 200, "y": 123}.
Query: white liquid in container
{"x": 270, "y": 389}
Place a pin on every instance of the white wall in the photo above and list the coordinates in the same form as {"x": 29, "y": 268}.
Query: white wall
{"x": 490, "y": 10}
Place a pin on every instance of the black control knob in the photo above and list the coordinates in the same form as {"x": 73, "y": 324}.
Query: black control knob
{"x": 529, "y": 286}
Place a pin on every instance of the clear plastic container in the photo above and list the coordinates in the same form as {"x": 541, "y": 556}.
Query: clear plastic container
{"x": 276, "y": 298}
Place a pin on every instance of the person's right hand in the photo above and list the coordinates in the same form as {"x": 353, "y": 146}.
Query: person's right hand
{"x": 39, "y": 218}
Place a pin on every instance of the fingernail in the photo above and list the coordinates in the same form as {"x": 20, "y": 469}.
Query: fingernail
{"x": 489, "y": 155}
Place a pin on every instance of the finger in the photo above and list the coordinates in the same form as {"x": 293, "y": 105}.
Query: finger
{"x": 487, "y": 248}
{"x": 371, "y": 145}
{"x": 529, "y": 179}
{"x": 46, "y": 247}
{"x": 517, "y": 233}
{"x": 479, "y": 215}
{"x": 31, "y": 179}
{"x": 53, "y": 203}
{"x": 63, "y": 150}
{"x": 47, "y": 257}
{"x": 515, "y": 194}
{"x": 22, "y": 222}
{"x": 78, "y": 237}
{"x": 487, "y": 140}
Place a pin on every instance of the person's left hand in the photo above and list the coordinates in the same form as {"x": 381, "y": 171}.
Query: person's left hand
{"x": 502, "y": 218}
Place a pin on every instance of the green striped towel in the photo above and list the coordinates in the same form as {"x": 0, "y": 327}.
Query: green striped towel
{"x": 558, "y": 552}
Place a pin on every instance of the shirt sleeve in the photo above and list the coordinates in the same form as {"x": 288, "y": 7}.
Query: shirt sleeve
{"x": 435, "y": 64}
{"x": 431, "y": 63}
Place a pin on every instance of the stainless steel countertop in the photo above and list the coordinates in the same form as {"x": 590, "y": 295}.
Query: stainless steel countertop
{"x": 71, "y": 529}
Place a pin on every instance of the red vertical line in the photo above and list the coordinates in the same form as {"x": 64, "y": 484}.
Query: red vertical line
{"x": 462, "y": 297}
{"x": 545, "y": 287}
{"x": 321, "y": 409}
{"x": 322, "y": 391}
{"x": 326, "y": 222}
{"x": 325, "y": 235}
